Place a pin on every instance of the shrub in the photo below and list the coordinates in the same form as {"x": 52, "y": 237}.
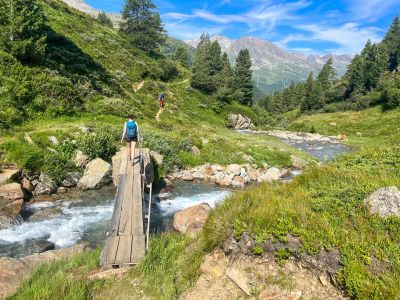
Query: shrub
{"x": 391, "y": 98}
{"x": 57, "y": 166}
{"x": 169, "y": 70}
{"x": 28, "y": 157}
{"x": 98, "y": 145}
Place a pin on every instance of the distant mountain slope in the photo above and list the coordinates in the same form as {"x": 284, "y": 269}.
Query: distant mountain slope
{"x": 274, "y": 67}
{"x": 86, "y": 8}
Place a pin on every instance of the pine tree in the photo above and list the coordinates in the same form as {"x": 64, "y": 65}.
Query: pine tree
{"x": 225, "y": 80}
{"x": 327, "y": 75}
{"x": 373, "y": 68}
{"x": 22, "y": 31}
{"x": 105, "y": 20}
{"x": 392, "y": 43}
{"x": 308, "y": 90}
{"x": 214, "y": 58}
{"x": 201, "y": 74}
{"x": 355, "y": 74}
{"x": 142, "y": 25}
{"x": 243, "y": 77}
{"x": 182, "y": 56}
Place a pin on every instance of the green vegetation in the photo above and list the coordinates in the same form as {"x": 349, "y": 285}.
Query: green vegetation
{"x": 105, "y": 20}
{"x": 142, "y": 25}
{"x": 213, "y": 74}
{"x": 64, "y": 279}
{"x": 22, "y": 31}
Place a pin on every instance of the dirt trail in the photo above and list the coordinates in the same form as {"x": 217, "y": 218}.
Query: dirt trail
{"x": 138, "y": 86}
{"x": 158, "y": 115}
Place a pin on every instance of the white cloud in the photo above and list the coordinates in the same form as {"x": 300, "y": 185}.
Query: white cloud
{"x": 261, "y": 17}
{"x": 185, "y": 31}
{"x": 349, "y": 37}
{"x": 371, "y": 9}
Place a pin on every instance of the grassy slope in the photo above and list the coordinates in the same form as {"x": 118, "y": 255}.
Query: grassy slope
{"x": 324, "y": 206}
{"x": 189, "y": 116}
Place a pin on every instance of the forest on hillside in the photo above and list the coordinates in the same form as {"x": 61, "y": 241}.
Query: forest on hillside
{"x": 372, "y": 78}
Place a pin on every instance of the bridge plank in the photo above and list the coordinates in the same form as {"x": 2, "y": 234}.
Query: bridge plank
{"x": 126, "y": 213}
{"x": 110, "y": 250}
{"x": 138, "y": 248}
{"x": 124, "y": 250}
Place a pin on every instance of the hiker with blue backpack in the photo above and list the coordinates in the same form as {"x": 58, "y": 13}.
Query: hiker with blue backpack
{"x": 131, "y": 136}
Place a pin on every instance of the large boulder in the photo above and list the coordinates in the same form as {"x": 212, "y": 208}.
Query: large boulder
{"x": 240, "y": 122}
{"x": 272, "y": 174}
{"x": 46, "y": 186}
{"x": 148, "y": 165}
{"x": 11, "y": 199}
{"x": 71, "y": 179}
{"x": 191, "y": 220}
{"x": 385, "y": 202}
{"x": 234, "y": 169}
{"x": 97, "y": 175}
{"x": 8, "y": 175}
{"x": 158, "y": 158}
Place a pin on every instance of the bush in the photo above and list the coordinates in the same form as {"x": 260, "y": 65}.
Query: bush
{"x": 57, "y": 166}
{"x": 98, "y": 145}
{"x": 27, "y": 157}
{"x": 391, "y": 98}
{"x": 169, "y": 70}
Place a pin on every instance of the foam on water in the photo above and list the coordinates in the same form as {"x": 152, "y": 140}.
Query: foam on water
{"x": 65, "y": 230}
{"x": 170, "y": 206}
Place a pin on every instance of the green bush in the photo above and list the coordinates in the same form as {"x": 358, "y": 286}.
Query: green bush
{"x": 28, "y": 157}
{"x": 98, "y": 145}
{"x": 391, "y": 98}
{"x": 57, "y": 166}
{"x": 169, "y": 70}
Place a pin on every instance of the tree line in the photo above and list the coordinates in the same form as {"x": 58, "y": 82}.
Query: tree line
{"x": 212, "y": 73}
{"x": 372, "y": 78}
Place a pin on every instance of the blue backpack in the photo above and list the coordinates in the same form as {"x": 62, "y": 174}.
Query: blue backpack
{"x": 131, "y": 130}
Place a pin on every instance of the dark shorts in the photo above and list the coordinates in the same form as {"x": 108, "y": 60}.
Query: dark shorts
{"x": 128, "y": 140}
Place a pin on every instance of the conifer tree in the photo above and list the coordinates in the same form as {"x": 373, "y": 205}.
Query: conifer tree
{"x": 372, "y": 70}
{"x": 182, "y": 56}
{"x": 105, "y": 20}
{"x": 392, "y": 43}
{"x": 308, "y": 90}
{"x": 201, "y": 74}
{"x": 243, "y": 77}
{"x": 142, "y": 25}
{"x": 214, "y": 58}
{"x": 355, "y": 74}
{"x": 327, "y": 75}
{"x": 22, "y": 29}
{"x": 225, "y": 80}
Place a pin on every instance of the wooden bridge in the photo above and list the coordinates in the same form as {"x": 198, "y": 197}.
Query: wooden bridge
{"x": 128, "y": 233}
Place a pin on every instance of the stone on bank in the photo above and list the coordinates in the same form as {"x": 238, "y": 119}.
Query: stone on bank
{"x": 97, "y": 175}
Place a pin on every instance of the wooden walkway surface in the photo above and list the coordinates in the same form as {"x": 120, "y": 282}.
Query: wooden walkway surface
{"x": 125, "y": 244}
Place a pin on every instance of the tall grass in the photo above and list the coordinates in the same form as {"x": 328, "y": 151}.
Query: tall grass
{"x": 63, "y": 279}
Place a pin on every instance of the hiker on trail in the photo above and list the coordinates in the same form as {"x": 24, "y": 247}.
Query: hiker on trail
{"x": 161, "y": 99}
{"x": 131, "y": 136}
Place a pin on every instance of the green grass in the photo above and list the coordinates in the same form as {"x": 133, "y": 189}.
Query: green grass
{"x": 63, "y": 279}
{"x": 364, "y": 128}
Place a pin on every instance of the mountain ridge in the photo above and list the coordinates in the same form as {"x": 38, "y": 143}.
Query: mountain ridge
{"x": 274, "y": 67}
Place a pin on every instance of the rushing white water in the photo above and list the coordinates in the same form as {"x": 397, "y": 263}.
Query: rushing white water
{"x": 64, "y": 230}
{"x": 84, "y": 217}
{"x": 170, "y": 206}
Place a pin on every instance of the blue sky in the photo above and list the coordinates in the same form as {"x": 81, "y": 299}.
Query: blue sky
{"x": 331, "y": 26}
